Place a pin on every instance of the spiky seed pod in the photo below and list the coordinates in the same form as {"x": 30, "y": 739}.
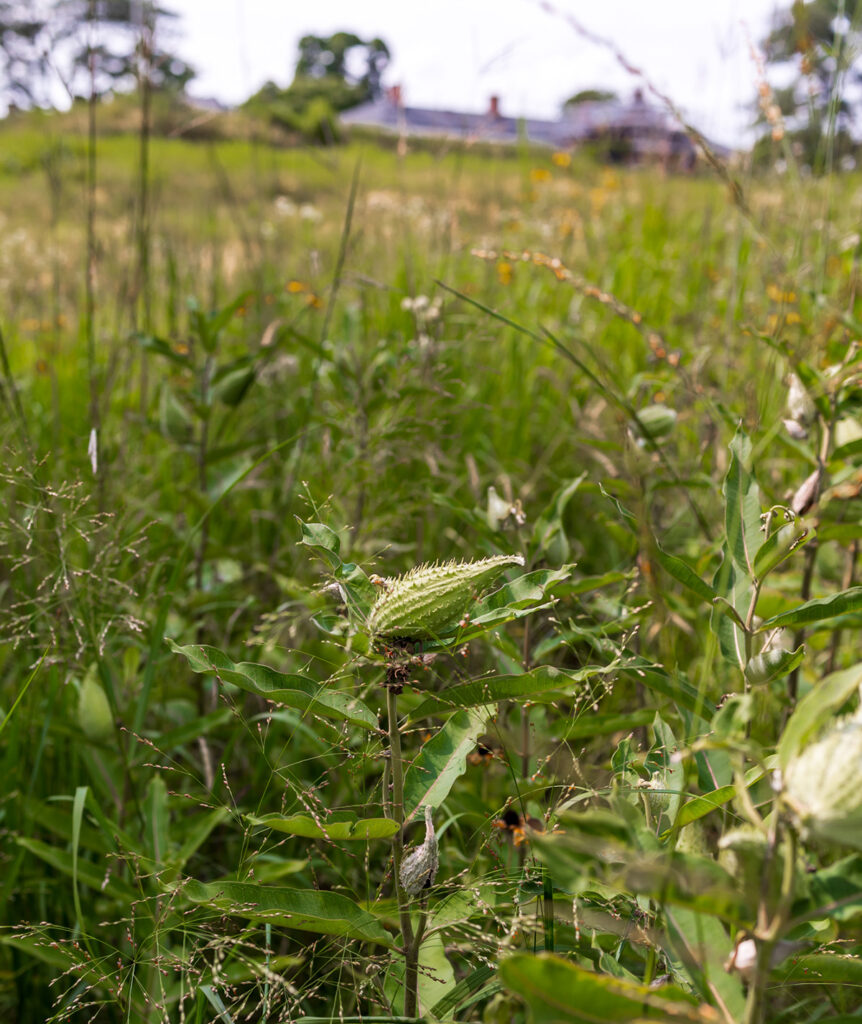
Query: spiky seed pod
{"x": 430, "y": 600}
{"x": 419, "y": 867}
{"x": 656, "y": 793}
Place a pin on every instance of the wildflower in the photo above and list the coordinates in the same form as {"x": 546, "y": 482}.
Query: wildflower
{"x": 775, "y": 294}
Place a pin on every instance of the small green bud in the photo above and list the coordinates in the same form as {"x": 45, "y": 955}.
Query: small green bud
{"x": 94, "y": 711}
{"x": 655, "y": 421}
{"x": 430, "y": 600}
{"x": 771, "y": 664}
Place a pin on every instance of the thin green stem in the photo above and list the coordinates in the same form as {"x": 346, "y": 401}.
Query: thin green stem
{"x": 396, "y": 767}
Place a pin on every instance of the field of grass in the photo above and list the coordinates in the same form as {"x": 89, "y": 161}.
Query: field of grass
{"x": 265, "y": 382}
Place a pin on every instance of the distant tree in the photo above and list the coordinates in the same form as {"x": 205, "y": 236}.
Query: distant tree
{"x": 817, "y": 44}
{"x": 47, "y": 42}
{"x": 344, "y": 59}
{"x": 332, "y": 73}
{"x": 591, "y": 96}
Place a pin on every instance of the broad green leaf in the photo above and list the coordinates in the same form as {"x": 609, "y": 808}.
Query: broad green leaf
{"x": 86, "y": 872}
{"x": 821, "y": 969}
{"x": 549, "y": 534}
{"x": 323, "y": 540}
{"x": 293, "y": 690}
{"x": 442, "y": 760}
{"x": 816, "y": 709}
{"x": 836, "y": 890}
{"x": 702, "y": 943}
{"x": 359, "y": 592}
{"x": 197, "y": 833}
{"x": 459, "y": 996}
{"x": 162, "y": 348}
{"x": 736, "y": 588}
{"x": 604, "y": 724}
{"x": 558, "y": 992}
{"x": 781, "y": 544}
{"x": 529, "y": 685}
{"x": 231, "y": 383}
{"x": 684, "y": 574}
{"x": 585, "y": 584}
{"x": 656, "y": 679}
{"x": 341, "y": 826}
{"x": 310, "y": 910}
{"x": 845, "y": 452}
{"x": 818, "y": 610}
{"x": 601, "y": 846}
{"x": 742, "y": 507}
{"x": 526, "y": 590}
{"x": 700, "y": 806}
{"x": 55, "y": 817}
{"x": 436, "y": 976}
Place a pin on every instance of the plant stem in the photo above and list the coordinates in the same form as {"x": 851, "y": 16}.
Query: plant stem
{"x": 769, "y": 936}
{"x": 411, "y": 946}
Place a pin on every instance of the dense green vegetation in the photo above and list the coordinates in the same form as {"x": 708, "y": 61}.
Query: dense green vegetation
{"x": 266, "y": 381}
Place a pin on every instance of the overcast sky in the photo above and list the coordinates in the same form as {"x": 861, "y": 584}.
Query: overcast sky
{"x": 454, "y": 54}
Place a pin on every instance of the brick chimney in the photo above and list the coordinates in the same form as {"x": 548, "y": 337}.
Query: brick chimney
{"x": 393, "y": 94}
{"x": 494, "y": 107}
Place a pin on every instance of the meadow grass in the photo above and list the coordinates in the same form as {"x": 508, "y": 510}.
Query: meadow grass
{"x": 399, "y": 334}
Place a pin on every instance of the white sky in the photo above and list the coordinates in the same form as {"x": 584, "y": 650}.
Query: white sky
{"x": 454, "y": 54}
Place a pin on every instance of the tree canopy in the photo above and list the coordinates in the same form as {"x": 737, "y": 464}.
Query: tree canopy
{"x": 332, "y": 73}
{"x": 50, "y": 43}
{"x": 590, "y": 96}
{"x": 341, "y": 59}
{"x": 816, "y": 44}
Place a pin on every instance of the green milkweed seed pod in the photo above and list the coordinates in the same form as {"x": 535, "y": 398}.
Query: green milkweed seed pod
{"x": 430, "y": 600}
{"x": 419, "y": 867}
{"x": 823, "y": 785}
{"x": 94, "y": 711}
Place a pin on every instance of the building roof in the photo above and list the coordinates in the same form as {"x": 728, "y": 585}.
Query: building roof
{"x": 387, "y": 113}
{"x": 647, "y": 130}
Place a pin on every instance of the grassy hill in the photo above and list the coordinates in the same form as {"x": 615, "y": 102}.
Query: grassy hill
{"x": 240, "y": 386}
